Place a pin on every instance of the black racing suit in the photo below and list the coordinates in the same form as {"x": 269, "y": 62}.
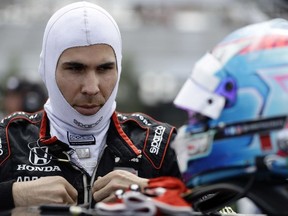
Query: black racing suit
{"x": 135, "y": 142}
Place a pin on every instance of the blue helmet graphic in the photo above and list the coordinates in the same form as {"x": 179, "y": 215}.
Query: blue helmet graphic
{"x": 237, "y": 101}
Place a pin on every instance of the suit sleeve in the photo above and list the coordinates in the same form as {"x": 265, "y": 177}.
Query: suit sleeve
{"x": 170, "y": 166}
{"x": 6, "y": 197}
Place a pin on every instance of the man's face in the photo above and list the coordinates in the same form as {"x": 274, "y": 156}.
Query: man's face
{"x": 86, "y": 77}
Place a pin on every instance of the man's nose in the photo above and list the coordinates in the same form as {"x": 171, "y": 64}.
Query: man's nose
{"x": 90, "y": 83}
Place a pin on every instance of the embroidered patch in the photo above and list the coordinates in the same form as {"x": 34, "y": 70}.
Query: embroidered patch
{"x": 76, "y": 139}
{"x": 156, "y": 145}
{"x": 4, "y": 151}
{"x": 83, "y": 153}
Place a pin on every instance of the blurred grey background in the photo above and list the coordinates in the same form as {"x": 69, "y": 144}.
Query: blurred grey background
{"x": 162, "y": 39}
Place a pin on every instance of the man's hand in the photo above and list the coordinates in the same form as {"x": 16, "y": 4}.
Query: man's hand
{"x": 45, "y": 190}
{"x": 104, "y": 187}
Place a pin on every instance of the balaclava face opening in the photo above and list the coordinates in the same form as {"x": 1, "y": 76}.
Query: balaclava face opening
{"x": 75, "y": 25}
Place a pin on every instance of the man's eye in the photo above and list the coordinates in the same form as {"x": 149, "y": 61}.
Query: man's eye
{"x": 75, "y": 68}
{"x": 106, "y": 67}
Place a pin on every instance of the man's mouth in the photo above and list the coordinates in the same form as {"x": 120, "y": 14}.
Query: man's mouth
{"x": 87, "y": 109}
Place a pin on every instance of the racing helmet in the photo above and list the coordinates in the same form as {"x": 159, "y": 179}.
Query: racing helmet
{"x": 237, "y": 101}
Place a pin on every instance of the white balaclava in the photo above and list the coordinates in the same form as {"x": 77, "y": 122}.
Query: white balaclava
{"x": 77, "y": 24}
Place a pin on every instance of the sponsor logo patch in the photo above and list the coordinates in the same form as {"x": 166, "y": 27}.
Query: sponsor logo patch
{"x": 82, "y": 125}
{"x": 144, "y": 120}
{"x": 22, "y": 167}
{"x": 76, "y": 139}
{"x": 157, "y": 140}
{"x": 39, "y": 156}
{"x": 1, "y": 147}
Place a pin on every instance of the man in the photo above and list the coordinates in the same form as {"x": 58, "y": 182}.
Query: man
{"x": 79, "y": 150}
{"x": 22, "y": 95}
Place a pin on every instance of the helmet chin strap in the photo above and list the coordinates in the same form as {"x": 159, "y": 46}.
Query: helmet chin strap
{"x": 250, "y": 127}
{"x": 212, "y": 198}
{"x": 197, "y": 118}
{"x": 195, "y": 142}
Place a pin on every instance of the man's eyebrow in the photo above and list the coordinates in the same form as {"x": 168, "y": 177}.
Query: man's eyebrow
{"x": 76, "y": 64}
{"x": 107, "y": 64}
{"x": 73, "y": 63}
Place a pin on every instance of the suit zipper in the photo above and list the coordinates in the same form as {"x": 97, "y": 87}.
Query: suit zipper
{"x": 86, "y": 186}
{"x": 94, "y": 176}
